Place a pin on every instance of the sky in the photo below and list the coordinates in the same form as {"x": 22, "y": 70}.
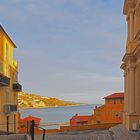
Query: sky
{"x": 69, "y": 49}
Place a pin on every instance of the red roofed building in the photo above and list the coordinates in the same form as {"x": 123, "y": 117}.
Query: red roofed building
{"x": 30, "y": 118}
{"x": 111, "y": 111}
{"x": 79, "y": 120}
{"x": 115, "y": 95}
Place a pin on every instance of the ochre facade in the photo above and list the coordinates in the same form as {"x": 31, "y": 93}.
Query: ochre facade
{"x": 131, "y": 65}
{"x": 9, "y": 85}
{"x": 111, "y": 111}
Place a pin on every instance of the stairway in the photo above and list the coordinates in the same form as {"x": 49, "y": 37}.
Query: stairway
{"x": 121, "y": 133}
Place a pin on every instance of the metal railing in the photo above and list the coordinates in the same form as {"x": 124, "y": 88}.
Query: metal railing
{"x": 9, "y": 108}
{"x": 4, "y": 81}
{"x": 28, "y": 127}
{"x": 17, "y": 87}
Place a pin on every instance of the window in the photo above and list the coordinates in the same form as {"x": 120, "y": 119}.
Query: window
{"x": 15, "y": 98}
{"x": 108, "y": 113}
{"x": 108, "y": 101}
{"x": 15, "y": 123}
{"x": 7, "y": 97}
{"x": 7, "y": 52}
{"x": 1, "y": 69}
{"x": 15, "y": 77}
{"x": 114, "y": 101}
{"x": 115, "y": 113}
{"x": 7, "y": 70}
{"x": 99, "y": 112}
{"x": 121, "y": 114}
{"x": 121, "y": 101}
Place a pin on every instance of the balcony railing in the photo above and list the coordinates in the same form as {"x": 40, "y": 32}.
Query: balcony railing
{"x": 10, "y": 108}
{"x": 17, "y": 87}
{"x": 4, "y": 81}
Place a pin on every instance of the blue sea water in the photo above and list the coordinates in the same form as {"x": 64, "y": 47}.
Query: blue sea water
{"x": 58, "y": 114}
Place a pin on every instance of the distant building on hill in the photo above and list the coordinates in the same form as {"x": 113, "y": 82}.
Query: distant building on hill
{"x": 79, "y": 120}
{"x": 111, "y": 111}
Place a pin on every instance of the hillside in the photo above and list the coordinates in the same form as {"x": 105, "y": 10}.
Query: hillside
{"x": 27, "y": 100}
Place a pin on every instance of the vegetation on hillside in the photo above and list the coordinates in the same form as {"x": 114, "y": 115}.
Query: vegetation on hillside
{"x": 27, "y": 100}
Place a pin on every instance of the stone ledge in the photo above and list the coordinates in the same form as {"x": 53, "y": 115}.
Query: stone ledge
{"x": 15, "y": 137}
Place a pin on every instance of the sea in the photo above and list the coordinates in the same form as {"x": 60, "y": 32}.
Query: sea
{"x": 58, "y": 114}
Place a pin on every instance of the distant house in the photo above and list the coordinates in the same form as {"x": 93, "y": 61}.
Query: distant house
{"x": 24, "y": 125}
{"x": 111, "y": 111}
{"x": 30, "y": 118}
{"x": 79, "y": 120}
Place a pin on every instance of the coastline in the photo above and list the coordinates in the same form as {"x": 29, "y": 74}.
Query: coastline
{"x": 51, "y": 107}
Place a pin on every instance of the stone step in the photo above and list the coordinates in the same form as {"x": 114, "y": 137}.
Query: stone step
{"x": 91, "y": 135}
{"x": 15, "y": 137}
{"x": 121, "y": 133}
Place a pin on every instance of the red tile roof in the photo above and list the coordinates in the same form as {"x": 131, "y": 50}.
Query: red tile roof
{"x": 100, "y": 107}
{"x": 115, "y": 95}
{"x": 30, "y": 118}
{"x": 80, "y": 118}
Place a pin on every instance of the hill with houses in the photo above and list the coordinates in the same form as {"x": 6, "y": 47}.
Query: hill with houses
{"x": 28, "y": 100}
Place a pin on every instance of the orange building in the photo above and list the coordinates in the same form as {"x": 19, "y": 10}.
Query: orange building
{"x": 25, "y": 124}
{"x": 111, "y": 111}
{"x": 79, "y": 120}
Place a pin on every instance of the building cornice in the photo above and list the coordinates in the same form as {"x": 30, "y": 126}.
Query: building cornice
{"x": 129, "y": 4}
{"x": 132, "y": 54}
{"x": 3, "y": 31}
{"x": 126, "y": 56}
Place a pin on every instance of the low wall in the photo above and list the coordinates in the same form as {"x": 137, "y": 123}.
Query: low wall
{"x": 88, "y": 127}
{"x": 51, "y": 131}
{"x": 15, "y": 137}
{"x": 82, "y": 127}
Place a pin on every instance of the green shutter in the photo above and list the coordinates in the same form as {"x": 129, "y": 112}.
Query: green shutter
{"x": 108, "y": 113}
{"x": 1, "y": 70}
{"x": 115, "y": 113}
{"x": 99, "y": 113}
{"x": 108, "y": 101}
{"x": 121, "y": 101}
{"x": 114, "y": 101}
{"x": 121, "y": 114}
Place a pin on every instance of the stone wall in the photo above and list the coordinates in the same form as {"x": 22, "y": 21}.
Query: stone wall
{"x": 15, "y": 137}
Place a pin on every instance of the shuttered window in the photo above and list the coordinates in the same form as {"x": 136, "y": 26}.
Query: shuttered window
{"x": 7, "y": 96}
{"x": 121, "y": 114}
{"x": 1, "y": 70}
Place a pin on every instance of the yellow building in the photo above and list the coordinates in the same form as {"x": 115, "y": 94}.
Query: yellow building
{"x": 131, "y": 65}
{"x": 9, "y": 85}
